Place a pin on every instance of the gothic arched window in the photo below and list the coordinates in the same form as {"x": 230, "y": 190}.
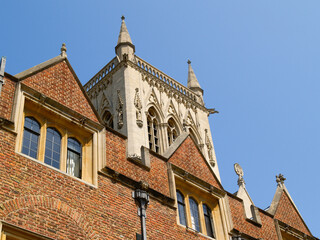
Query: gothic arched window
{"x": 181, "y": 208}
{"x": 172, "y": 131}
{"x": 53, "y": 145}
{"x": 208, "y": 221}
{"x": 107, "y": 118}
{"x": 193, "y": 136}
{"x": 194, "y": 212}
{"x": 153, "y": 130}
{"x": 31, "y": 135}
{"x": 74, "y": 157}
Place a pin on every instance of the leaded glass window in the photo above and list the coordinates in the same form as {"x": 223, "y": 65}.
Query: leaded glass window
{"x": 31, "y": 135}
{"x": 194, "y": 212}
{"x": 153, "y": 131}
{"x": 74, "y": 158}
{"x": 53, "y": 146}
{"x": 208, "y": 221}
{"x": 172, "y": 131}
{"x": 181, "y": 208}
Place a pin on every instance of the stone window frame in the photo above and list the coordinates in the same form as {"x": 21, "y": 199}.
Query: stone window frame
{"x": 153, "y": 120}
{"x": 216, "y": 201}
{"x": 10, "y": 231}
{"x": 68, "y": 129}
{"x": 172, "y": 131}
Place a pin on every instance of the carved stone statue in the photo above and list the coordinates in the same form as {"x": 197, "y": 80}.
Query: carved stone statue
{"x": 120, "y": 110}
{"x": 138, "y": 105}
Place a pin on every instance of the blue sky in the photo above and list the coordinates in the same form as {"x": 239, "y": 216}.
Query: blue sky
{"x": 257, "y": 61}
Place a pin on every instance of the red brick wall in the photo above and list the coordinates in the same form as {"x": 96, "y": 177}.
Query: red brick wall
{"x": 7, "y": 98}
{"x": 157, "y": 177}
{"x": 58, "y": 83}
{"x": 266, "y": 231}
{"x": 43, "y": 200}
{"x": 287, "y": 213}
{"x": 189, "y": 159}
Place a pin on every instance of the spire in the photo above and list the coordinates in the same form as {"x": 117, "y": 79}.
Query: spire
{"x": 124, "y": 45}
{"x": 194, "y": 85}
{"x": 124, "y": 36}
{"x": 192, "y": 79}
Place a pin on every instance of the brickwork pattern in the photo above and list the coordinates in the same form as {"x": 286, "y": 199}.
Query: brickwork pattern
{"x": 7, "y": 98}
{"x": 58, "y": 83}
{"x": 267, "y": 231}
{"x": 157, "y": 177}
{"x": 43, "y": 200}
{"x": 287, "y": 213}
{"x": 190, "y": 159}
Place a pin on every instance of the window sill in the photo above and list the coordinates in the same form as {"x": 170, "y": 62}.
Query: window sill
{"x": 188, "y": 229}
{"x": 58, "y": 170}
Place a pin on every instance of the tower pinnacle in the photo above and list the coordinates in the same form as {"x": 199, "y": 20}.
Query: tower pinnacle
{"x": 124, "y": 45}
{"x": 193, "y": 83}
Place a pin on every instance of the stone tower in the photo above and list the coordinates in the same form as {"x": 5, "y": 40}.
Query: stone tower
{"x": 151, "y": 109}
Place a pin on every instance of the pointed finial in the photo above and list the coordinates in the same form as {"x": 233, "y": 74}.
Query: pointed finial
{"x": 280, "y": 179}
{"x": 239, "y": 172}
{"x": 189, "y": 62}
{"x": 122, "y": 18}
{"x": 63, "y": 50}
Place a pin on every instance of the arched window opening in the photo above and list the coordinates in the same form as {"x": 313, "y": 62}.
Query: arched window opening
{"x": 31, "y": 135}
{"x": 107, "y": 118}
{"x": 172, "y": 131}
{"x": 208, "y": 221}
{"x": 193, "y": 135}
{"x": 74, "y": 158}
{"x": 53, "y": 146}
{"x": 153, "y": 130}
{"x": 181, "y": 209}
{"x": 194, "y": 212}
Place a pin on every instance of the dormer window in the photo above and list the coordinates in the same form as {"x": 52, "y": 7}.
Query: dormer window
{"x": 53, "y": 147}
{"x": 74, "y": 158}
{"x": 31, "y": 135}
{"x": 52, "y": 139}
{"x": 208, "y": 220}
{"x": 194, "y": 212}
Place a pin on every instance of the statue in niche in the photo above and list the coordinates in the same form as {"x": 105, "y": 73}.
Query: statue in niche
{"x": 138, "y": 105}
{"x": 210, "y": 148}
{"x": 120, "y": 110}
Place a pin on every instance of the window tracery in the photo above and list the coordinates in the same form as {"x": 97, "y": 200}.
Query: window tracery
{"x": 172, "y": 131}
{"x": 107, "y": 119}
{"x": 153, "y": 130}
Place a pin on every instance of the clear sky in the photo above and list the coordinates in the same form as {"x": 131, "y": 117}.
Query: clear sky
{"x": 257, "y": 61}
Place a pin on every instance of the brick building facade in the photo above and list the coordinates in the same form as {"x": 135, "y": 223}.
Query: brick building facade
{"x": 79, "y": 162}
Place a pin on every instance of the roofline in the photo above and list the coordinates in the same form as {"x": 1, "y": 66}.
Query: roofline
{"x": 49, "y": 63}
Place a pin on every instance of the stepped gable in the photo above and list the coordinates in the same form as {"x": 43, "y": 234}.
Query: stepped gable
{"x": 56, "y": 79}
{"x": 188, "y": 157}
{"x": 287, "y": 212}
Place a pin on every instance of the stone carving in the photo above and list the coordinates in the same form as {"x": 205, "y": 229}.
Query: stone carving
{"x": 138, "y": 105}
{"x": 239, "y": 172}
{"x": 104, "y": 104}
{"x": 120, "y": 110}
{"x": 280, "y": 179}
{"x": 210, "y": 149}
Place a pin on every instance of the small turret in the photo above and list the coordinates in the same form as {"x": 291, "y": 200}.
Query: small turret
{"x": 124, "y": 45}
{"x": 193, "y": 83}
